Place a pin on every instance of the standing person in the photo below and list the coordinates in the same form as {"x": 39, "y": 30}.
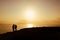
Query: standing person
{"x": 14, "y": 27}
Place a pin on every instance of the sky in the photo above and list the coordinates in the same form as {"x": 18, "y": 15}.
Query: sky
{"x": 40, "y": 11}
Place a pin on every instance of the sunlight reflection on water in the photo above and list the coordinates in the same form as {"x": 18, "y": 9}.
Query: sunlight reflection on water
{"x": 25, "y": 26}
{"x": 29, "y": 25}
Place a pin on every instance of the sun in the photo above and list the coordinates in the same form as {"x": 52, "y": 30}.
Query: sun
{"x": 29, "y": 14}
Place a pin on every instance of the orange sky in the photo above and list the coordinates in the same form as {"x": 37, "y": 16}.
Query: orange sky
{"x": 15, "y": 11}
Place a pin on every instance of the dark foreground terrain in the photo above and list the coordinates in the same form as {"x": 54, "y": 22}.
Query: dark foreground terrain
{"x": 37, "y": 33}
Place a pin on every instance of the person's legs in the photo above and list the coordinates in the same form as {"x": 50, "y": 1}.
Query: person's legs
{"x": 16, "y": 29}
{"x": 13, "y": 29}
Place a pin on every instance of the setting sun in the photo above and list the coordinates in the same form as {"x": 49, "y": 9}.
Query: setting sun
{"x": 30, "y": 14}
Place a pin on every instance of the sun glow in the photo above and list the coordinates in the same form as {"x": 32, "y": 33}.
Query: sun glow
{"x": 30, "y": 14}
{"x": 29, "y": 25}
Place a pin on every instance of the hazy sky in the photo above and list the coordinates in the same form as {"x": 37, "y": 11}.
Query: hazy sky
{"x": 12, "y": 11}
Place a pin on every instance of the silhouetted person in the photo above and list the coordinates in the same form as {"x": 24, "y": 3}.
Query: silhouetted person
{"x": 14, "y": 27}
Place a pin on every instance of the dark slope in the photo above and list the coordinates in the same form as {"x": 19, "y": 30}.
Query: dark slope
{"x": 33, "y": 33}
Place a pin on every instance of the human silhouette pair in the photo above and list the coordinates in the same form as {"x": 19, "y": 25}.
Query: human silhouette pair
{"x": 14, "y": 27}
